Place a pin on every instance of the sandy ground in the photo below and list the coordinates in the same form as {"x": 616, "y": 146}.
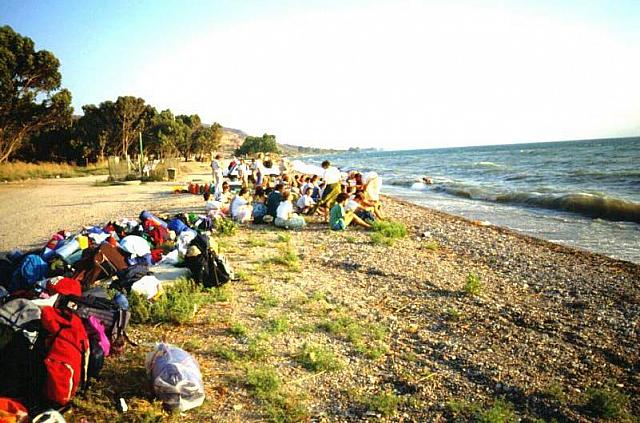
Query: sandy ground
{"x": 33, "y": 210}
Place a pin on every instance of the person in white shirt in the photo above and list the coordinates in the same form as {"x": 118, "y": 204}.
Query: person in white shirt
{"x": 305, "y": 202}
{"x": 224, "y": 195}
{"x": 243, "y": 173}
{"x": 372, "y": 183}
{"x": 240, "y": 208}
{"x": 332, "y": 179}
{"x": 216, "y": 170}
{"x": 285, "y": 217}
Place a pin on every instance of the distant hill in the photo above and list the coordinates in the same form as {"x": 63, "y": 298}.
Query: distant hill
{"x": 233, "y": 138}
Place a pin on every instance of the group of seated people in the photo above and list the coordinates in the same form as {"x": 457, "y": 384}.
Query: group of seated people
{"x": 353, "y": 199}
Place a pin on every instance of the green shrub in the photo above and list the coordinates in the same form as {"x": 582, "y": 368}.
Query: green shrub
{"x": 223, "y": 352}
{"x": 318, "y": 359}
{"x": 279, "y": 406}
{"x": 385, "y": 403}
{"x": 238, "y": 330}
{"x": 269, "y": 299}
{"x": 284, "y": 237}
{"x": 606, "y": 402}
{"x": 500, "y": 412}
{"x": 452, "y": 314}
{"x": 219, "y": 294}
{"x": 473, "y": 286}
{"x": 278, "y": 325}
{"x": 263, "y": 380}
{"x": 288, "y": 257}
{"x": 226, "y": 227}
{"x": 366, "y": 338}
{"x": 379, "y": 239}
{"x": 431, "y": 245}
{"x": 258, "y": 349}
{"x": 177, "y": 304}
{"x": 372, "y": 350}
{"x": 257, "y": 242}
{"x": 390, "y": 229}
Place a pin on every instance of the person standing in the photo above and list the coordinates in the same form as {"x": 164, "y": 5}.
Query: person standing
{"x": 216, "y": 170}
{"x": 332, "y": 180}
{"x": 243, "y": 173}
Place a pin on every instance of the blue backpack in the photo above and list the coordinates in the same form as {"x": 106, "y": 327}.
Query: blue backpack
{"x": 32, "y": 269}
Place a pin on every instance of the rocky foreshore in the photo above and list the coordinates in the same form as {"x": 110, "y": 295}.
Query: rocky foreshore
{"x": 456, "y": 321}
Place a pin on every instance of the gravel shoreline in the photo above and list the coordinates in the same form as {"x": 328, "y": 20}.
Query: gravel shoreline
{"x": 549, "y": 322}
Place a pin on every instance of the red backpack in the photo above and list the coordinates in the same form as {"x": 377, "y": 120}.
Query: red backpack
{"x": 159, "y": 234}
{"x": 68, "y": 354}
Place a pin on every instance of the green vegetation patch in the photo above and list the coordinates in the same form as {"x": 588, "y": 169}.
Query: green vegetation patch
{"x": 224, "y": 352}
{"x": 390, "y": 229}
{"x": 385, "y": 403}
{"x": 500, "y": 412}
{"x": 226, "y": 227}
{"x": 257, "y": 242}
{"x": 238, "y": 330}
{"x": 263, "y": 380}
{"x": 385, "y": 232}
{"x": 473, "y": 285}
{"x": 367, "y": 338}
{"x": 177, "y": 304}
{"x": 317, "y": 358}
{"x": 278, "y": 325}
{"x": 606, "y": 402}
{"x": 279, "y": 405}
{"x": 288, "y": 257}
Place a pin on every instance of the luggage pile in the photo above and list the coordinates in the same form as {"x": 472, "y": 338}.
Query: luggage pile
{"x": 58, "y": 323}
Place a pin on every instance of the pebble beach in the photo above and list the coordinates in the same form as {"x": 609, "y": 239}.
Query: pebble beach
{"x": 544, "y": 326}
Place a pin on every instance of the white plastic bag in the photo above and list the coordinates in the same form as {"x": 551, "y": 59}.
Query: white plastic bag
{"x": 149, "y": 286}
{"x": 135, "y": 245}
{"x": 175, "y": 376}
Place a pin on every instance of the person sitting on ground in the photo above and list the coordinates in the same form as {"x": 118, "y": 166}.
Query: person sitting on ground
{"x": 305, "y": 202}
{"x": 240, "y": 207}
{"x": 224, "y": 196}
{"x": 366, "y": 210}
{"x": 356, "y": 179}
{"x": 210, "y": 204}
{"x": 259, "y": 206}
{"x": 274, "y": 199}
{"x": 285, "y": 216}
{"x": 339, "y": 219}
{"x": 317, "y": 188}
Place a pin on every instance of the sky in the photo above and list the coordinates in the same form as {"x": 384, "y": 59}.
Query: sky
{"x": 392, "y": 74}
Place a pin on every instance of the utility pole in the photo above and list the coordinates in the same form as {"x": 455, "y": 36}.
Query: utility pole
{"x": 141, "y": 159}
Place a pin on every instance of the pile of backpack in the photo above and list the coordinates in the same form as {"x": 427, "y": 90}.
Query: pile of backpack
{"x": 58, "y": 322}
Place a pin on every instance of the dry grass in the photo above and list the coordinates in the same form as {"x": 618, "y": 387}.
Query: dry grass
{"x": 16, "y": 171}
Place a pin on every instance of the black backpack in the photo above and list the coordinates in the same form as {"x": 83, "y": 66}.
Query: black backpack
{"x": 113, "y": 318}
{"x": 207, "y": 268}
{"x": 22, "y": 370}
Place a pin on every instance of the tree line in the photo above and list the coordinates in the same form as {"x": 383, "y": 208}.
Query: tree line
{"x": 37, "y": 121}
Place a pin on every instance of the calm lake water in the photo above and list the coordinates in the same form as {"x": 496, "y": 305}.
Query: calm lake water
{"x": 584, "y": 194}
